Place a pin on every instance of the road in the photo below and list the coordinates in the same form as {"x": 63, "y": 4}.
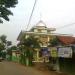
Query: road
{"x": 10, "y": 68}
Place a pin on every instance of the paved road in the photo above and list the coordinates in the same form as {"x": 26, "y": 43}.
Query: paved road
{"x": 10, "y": 68}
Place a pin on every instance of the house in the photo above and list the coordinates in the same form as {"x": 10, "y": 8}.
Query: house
{"x": 15, "y": 55}
{"x": 66, "y": 40}
{"x": 44, "y": 34}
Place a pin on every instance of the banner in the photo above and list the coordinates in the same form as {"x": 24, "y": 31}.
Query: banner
{"x": 45, "y": 51}
{"x": 53, "y": 52}
{"x": 65, "y": 52}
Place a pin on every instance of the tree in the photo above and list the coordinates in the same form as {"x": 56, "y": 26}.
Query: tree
{"x": 4, "y": 9}
{"x": 54, "y": 42}
{"x": 27, "y": 47}
{"x": 4, "y": 45}
{"x": 14, "y": 47}
{"x": 3, "y": 38}
{"x": 9, "y": 51}
{"x": 31, "y": 42}
{"x": 9, "y": 43}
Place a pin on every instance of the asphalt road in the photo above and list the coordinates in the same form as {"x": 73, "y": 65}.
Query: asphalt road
{"x": 10, "y": 68}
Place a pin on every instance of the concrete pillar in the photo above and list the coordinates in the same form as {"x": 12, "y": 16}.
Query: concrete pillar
{"x": 57, "y": 65}
{"x": 37, "y": 57}
{"x": 48, "y": 38}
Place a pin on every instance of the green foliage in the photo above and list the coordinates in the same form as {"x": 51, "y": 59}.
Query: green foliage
{"x": 3, "y": 43}
{"x": 3, "y": 38}
{"x": 2, "y": 47}
{"x": 9, "y": 43}
{"x": 8, "y": 3}
{"x": 14, "y": 48}
{"x": 4, "y": 9}
{"x": 54, "y": 42}
{"x": 27, "y": 46}
{"x": 9, "y": 50}
{"x": 5, "y": 13}
{"x": 31, "y": 42}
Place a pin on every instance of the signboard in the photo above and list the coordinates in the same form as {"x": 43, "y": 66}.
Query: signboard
{"x": 53, "y": 52}
{"x": 65, "y": 52}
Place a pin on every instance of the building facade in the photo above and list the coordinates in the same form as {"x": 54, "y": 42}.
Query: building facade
{"x": 44, "y": 34}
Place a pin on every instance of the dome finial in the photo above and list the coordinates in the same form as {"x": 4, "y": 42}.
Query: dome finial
{"x": 41, "y": 23}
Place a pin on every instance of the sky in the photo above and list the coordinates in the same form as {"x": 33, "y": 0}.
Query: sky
{"x": 54, "y": 13}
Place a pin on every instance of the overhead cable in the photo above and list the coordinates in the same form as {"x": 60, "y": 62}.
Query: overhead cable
{"x": 68, "y": 25}
{"x": 31, "y": 15}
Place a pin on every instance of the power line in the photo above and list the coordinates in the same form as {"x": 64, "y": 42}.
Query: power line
{"x": 31, "y": 15}
{"x": 66, "y": 26}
